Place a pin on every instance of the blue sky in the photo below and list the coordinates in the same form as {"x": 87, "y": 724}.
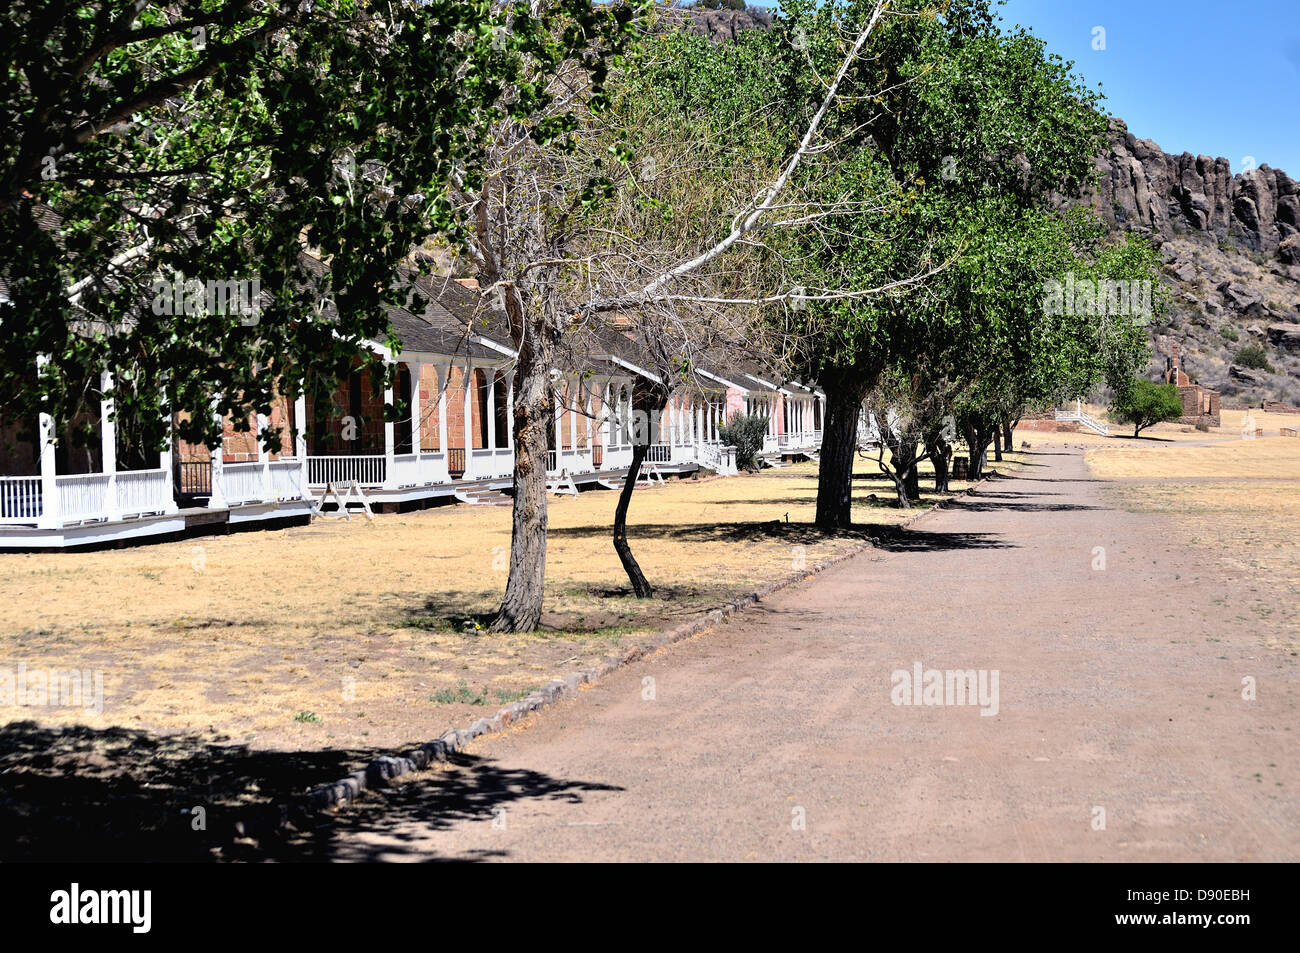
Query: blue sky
{"x": 1210, "y": 78}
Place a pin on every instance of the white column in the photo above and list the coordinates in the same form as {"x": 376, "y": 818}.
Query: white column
{"x": 573, "y": 416}
{"x": 108, "y": 445}
{"x": 510, "y": 412}
{"x": 49, "y": 486}
{"x": 469, "y": 421}
{"x": 591, "y": 453}
{"x": 444, "y": 380}
{"x": 390, "y": 475}
{"x": 491, "y": 412}
{"x": 264, "y": 458}
{"x": 300, "y": 441}
{"x": 417, "y": 370}
{"x": 165, "y": 463}
{"x": 555, "y": 428}
{"x": 218, "y": 497}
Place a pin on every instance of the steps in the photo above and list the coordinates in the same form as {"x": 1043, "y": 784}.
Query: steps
{"x": 482, "y": 495}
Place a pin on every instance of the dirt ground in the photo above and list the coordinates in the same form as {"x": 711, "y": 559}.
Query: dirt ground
{"x": 1146, "y": 712}
{"x": 263, "y": 663}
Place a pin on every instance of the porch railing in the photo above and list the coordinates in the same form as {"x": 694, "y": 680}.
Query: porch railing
{"x": 142, "y": 491}
{"x": 196, "y": 477}
{"x": 20, "y": 499}
{"x": 369, "y": 471}
{"x": 82, "y": 496}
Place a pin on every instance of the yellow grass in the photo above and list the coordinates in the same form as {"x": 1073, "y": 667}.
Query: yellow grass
{"x": 362, "y": 625}
{"x": 1264, "y": 457}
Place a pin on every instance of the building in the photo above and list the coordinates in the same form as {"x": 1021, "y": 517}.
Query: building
{"x": 1199, "y": 403}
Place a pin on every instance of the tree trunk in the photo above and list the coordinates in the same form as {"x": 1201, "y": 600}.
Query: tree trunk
{"x": 640, "y": 586}
{"x": 1008, "y": 434}
{"x": 521, "y": 608}
{"x": 977, "y": 436}
{"x": 941, "y": 454}
{"x": 997, "y": 443}
{"x": 839, "y": 446}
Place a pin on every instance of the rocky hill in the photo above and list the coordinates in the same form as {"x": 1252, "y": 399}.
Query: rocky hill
{"x": 1231, "y": 245}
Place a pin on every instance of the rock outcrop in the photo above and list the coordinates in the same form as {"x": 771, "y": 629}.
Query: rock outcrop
{"x": 1171, "y": 195}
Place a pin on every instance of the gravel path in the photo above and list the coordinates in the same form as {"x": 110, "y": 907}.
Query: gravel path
{"x": 1119, "y": 690}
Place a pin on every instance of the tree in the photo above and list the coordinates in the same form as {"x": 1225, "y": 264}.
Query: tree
{"x": 1254, "y": 356}
{"x": 538, "y": 243}
{"x": 149, "y": 141}
{"x": 745, "y": 432}
{"x": 973, "y": 129}
{"x": 1143, "y": 403}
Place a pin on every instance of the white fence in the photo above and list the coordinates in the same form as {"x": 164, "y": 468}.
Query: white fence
{"x": 143, "y": 491}
{"x": 82, "y": 496}
{"x": 20, "y": 499}
{"x": 368, "y": 471}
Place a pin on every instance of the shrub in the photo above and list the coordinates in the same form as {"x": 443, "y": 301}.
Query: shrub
{"x": 745, "y": 432}
{"x": 1254, "y": 356}
{"x": 1144, "y": 403}
{"x": 1228, "y": 333}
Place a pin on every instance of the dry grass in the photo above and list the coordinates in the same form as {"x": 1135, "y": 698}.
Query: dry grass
{"x": 261, "y": 637}
{"x": 1261, "y": 458}
{"x": 1238, "y": 500}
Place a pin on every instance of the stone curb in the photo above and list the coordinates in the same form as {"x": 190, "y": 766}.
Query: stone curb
{"x": 382, "y": 770}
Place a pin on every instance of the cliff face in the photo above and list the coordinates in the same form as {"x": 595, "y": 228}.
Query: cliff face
{"x": 1172, "y": 195}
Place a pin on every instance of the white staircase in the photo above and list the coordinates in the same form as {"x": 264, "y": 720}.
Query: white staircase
{"x": 1083, "y": 419}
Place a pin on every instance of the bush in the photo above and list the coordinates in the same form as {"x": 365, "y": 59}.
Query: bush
{"x": 1144, "y": 403}
{"x": 1255, "y": 357}
{"x": 1228, "y": 333}
{"x": 745, "y": 432}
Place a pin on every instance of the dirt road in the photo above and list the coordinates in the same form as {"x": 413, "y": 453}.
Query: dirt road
{"x": 1120, "y": 733}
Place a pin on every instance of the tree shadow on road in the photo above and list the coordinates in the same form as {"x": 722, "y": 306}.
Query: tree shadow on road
{"x": 81, "y": 794}
{"x": 898, "y": 540}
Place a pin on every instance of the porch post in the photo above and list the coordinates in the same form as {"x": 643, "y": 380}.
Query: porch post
{"x": 49, "y": 518}
{"x": 165, "y": 463}
{"x": 443, "y": 374}
{"x": 591, "y": 452}
{"x": 573, "y": 417}
{"x": 510, "y": 415}
{"x": 108, "y": 445}
{"x": 417, "y": 371}
{"x": 555, "y": 426}
{"x": 264, "y": 458}
{"x": 218, "y": 497}
{"x": 491, "y": 413}
{"x": 390, "y": 472}
{"x": 300, "y": 441}
{"x": 468, "y": 417}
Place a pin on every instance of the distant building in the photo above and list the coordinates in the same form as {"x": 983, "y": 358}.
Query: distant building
{"x": 1199, "y": 403}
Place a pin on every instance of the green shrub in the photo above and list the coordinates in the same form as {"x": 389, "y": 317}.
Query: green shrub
{"x": 1254, "y": 356}
{"x": 745, "y": 432}
{"x": 1143, "y": 403}
{"x": 1228, "y": 333}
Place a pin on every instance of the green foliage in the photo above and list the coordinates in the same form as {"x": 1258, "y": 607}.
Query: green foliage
{"x": 1228, "y": 333}
{"x": 1254, "y": 356}
{"x": 140, "y": 148}
{"x": 745, "y": 432}
{"x": 1143, "y": 403}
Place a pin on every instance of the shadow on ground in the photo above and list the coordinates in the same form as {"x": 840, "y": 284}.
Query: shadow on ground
{"x": 84, "y": 794}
